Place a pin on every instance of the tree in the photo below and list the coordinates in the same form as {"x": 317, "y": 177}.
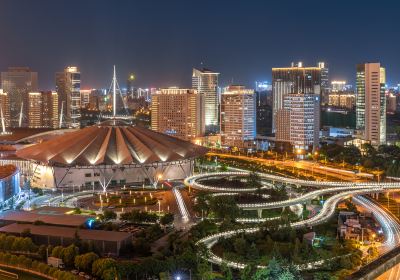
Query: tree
{"x": 274, "y": 268}
{"x": 167, "y": 219}
{"x": 109, "y": 215}
{"x": 240, "y": 246}
{"x": 224, "y": 207}
{"x": 68, "y": 254}
{"x": 84, "y": 262}
{"x": 103, "y": 268}
{"x": 201, "y": 205}
{"x": 287, "y": 275}
{"x": 247, "y": 272}
{"x": 56, "y": 252}
{"x": 254, "y": 181}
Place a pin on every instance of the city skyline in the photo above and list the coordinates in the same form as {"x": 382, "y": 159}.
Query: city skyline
{"x": 161, "y": 45}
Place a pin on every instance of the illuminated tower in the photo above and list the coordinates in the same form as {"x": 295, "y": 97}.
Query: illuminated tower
{"x": 205, "y": 82}
{"x": 238, "y": 116}
{"x": 130, "y": 89}
{"x": 324, "y": 82}
{"x": 293, "y": 80}
{"x": 178, "y": 112}
{"x": 68, "y": 86}
{"x": 18, "y": 82}
{"x": 371, "y": 102}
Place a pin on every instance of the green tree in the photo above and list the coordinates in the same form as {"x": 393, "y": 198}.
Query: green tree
{"x": 167, "y": 219}
{"x": 254, "y": 181}
{"x": 56, "y": 252}
{"x": 103, "y": 268}
{"x": 240, "y": 246}
{"x": 247, "y": 272}
{"x": 68, "y": 254}
{"x": 84, "y": 262}
{"x": 224, "y": 207}
{"x": 109, "y": 215}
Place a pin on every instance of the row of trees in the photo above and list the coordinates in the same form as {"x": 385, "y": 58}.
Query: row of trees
{"x": 104, "y": 268}
{"x": 25, "y": 262}
{"x": 20, "y": 244}
{"x": 385, "y": 157}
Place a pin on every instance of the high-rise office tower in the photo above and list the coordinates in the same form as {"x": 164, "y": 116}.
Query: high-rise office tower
{"x": 85, "y": 97}
{"x": 371, "y": 102}
{"x": 18, "y": 82}
{"x": 68, "y": 85}
{"x": 264, "y": 108}
{"x": 324, "y": 82}
{"x": 205, "y": 82}
{"x": 50, "y": 115}
{"x": 35, "y": 109}
{"x": 294, "y": 79}
{"x": 130, "y": 89}
{"x": 238, "y": 116}
{"x": 296, "y": 94}
{"x": 43, "y": 109}
{"x": 5, "y": 107}
{"x": 298, "y": 121}
{"x": 178, "y": 112}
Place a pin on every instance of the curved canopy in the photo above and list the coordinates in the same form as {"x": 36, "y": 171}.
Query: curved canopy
{"x": 111, "y": 143}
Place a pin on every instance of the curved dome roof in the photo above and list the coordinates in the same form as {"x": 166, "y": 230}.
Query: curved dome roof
{"x": 111, "y": 143}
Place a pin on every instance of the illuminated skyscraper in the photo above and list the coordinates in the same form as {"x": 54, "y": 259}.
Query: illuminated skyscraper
{"x": 50, "y": 115}
{"x": 295, "y": 79}
{"x": 85, "y": 97}
{"x": 5, "y": 107}
{"x": 178, "y": 112}
{"x": 35, "y": 109}
{"x": 298, "y": 121}
{"x": 238, "y": 116}
{"x": 43, "y": 109}
{"x": 205, "y": 82}
{"x": 371, "y": 102}
{"x": 68, "y": 85}
{"x": 130, "y": 89}
{"x": 324, "y": 82}
{"x": 18, "y": 82}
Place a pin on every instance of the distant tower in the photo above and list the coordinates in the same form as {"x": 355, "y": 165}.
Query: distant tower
{"x": 205, "y": 82}
{"x": 130, "y": 89}
{"x": 68, "y": 87}
{"x": 371, "y": 102}
{"x": 18, "y": 82}
{"x": 324, "y": 82}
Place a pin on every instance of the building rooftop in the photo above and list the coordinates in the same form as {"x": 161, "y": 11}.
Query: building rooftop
{"x": 7, "y": 170}
{"x": 111, "y": 143}
{"x": 66, "y": 232}
{"x": 19, "y": 133}
{"x": 47, "y": 216}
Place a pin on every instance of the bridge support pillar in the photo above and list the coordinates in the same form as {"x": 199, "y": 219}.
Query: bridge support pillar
{"x": 259, "y": 213}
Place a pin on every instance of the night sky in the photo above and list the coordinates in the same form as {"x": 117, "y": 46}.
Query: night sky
{"x": 160, "y": 41}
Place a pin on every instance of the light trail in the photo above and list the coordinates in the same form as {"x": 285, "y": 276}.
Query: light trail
{"x": 326, "y": 212}
{"x": 389, "y": 225}
{"x": 391, "y": 228}
{"x": 181, "y": 205}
